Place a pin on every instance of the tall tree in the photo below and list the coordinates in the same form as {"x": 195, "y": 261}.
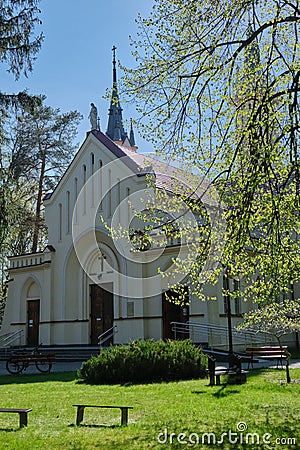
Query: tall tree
{"x": 41, "y": 147}
{"x": 18, "y": 48}
{"x": 38, "y": 146}
{"x": 18, "y": 42}
{"x": 218, "y": 85}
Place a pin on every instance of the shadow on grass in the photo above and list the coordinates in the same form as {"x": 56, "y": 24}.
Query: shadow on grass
{"x": 85, "y": 425}
{"x": 10, "y": 430}
{"x": 38, "y": 378}
{"x": 223, "y": 392}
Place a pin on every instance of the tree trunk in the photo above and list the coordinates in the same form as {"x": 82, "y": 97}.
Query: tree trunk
{"x": 287, "y": 369}
{"x": 37, "y": 220}
{"x": 288, "y": 378}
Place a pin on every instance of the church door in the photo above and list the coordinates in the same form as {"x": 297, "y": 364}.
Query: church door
{"x": 173, "y": 312}
{"x": 33, "y": 322}
{"x": 101, "y": 312}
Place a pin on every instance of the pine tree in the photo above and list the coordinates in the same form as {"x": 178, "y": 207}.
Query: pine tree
{"x": 18, "y": 48}
{"x": 42, "y": 143}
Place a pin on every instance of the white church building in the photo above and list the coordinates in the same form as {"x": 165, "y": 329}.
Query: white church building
{"x": 87, "y": 282}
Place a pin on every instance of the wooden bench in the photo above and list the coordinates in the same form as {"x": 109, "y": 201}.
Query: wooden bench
{"x": 235, "y": 371}
{"x": 124, "y": 412}
{"x": 22, "y": 414}
{"x": 275, "y": 352}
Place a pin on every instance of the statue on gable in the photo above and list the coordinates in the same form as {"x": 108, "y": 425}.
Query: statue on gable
{"x": 93, "y": 116}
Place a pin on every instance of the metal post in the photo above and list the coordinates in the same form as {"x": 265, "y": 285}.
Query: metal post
{"x": 230, "y": 343}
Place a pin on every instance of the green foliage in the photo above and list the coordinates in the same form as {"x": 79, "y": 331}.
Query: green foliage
{"x": 19, "y": 46}
{"x": 38, "y": 147}
{"x": 277, "y": 319}
{"x": 145, "y": 361}
{"x": 224, "y": 78}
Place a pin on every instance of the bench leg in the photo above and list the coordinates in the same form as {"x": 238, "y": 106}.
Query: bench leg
{"x": 240, "y": 378}
{"x": 23, "y": 419}
{"x": 211, "y": 378}
{"x": 79, "y": 417}
{"x": 218, "y": 380}
{"x": 243, "y": 378}
{"x": 124, "y": 416}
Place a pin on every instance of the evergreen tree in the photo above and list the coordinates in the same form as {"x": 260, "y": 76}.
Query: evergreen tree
{"x": 18, "y": 48}
{"x": 19, "y": 45}
{"x": 41, "y": 148}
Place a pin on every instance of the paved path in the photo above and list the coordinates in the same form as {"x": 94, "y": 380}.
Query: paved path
{"x": 294, "y": 364}
{"x": 74, "y": 366}
{"x": 57, "y": 367}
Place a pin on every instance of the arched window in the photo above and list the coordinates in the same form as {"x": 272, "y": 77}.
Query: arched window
{"x": 60, "y": 222}
{"x": 100, "y": 184}
{"x": 109, "y": 196}
{"x": 68, "y": 212}
{"x": 118, "y": 199}
{"x": 84, "y": 189}
{"x": 76, "y": 195}
{"x": 128, "y": 205}
{"x": 93, "y": 181}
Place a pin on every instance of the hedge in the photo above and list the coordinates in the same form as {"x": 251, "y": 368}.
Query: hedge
{"x": 145, "y": 361}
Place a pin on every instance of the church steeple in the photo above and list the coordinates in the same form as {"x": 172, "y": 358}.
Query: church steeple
{"x": 115, "y": 129}
{"x": 131, "y": 135}
{"x": 252, "y": 53}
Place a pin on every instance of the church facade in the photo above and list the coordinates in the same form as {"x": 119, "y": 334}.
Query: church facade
{"x": 87, "y": 283}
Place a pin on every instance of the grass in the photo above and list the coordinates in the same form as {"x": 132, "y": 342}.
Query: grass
{"x": 264, "y": 404}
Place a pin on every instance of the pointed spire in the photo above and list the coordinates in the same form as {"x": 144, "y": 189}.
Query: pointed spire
{"x": 131, "y": 135}
{"x": 252, "y": 54}
{"x": 115, "y": 129}
{"x": 114, "y": 66}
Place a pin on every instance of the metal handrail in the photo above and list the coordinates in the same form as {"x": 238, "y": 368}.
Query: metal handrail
{"x": 217, "y": 331}
{"x": 102, "y": 338}
{"x": 7, "y": 339}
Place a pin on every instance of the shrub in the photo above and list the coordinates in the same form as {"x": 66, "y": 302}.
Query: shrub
{"x": 145, "y": 361}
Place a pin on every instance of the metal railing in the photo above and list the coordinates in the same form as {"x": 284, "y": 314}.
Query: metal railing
{"x": 216, "y": 336}
{"x": 6, "y": 340}
{"x": 9, "y": 339}
{"x": 106, "y": 335}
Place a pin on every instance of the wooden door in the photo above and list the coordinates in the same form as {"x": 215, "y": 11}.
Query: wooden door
{"x": 102, "y": 316}
{"x": 173, "y": 312}
{"x": 33, "y": 322}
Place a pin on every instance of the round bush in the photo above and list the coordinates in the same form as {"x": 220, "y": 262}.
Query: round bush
{"x": 145, "y": 361}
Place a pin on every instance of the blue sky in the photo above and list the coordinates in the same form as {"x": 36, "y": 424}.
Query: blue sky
{"x": 74, "y": 66}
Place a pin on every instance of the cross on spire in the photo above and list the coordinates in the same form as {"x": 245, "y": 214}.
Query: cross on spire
{"x": 114, "y": 64}
{"x": 114, "y": 53}
{"x": 115, "y": 129}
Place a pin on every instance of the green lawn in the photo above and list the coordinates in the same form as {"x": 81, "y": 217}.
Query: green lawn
{"x": 263, "y": 405}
